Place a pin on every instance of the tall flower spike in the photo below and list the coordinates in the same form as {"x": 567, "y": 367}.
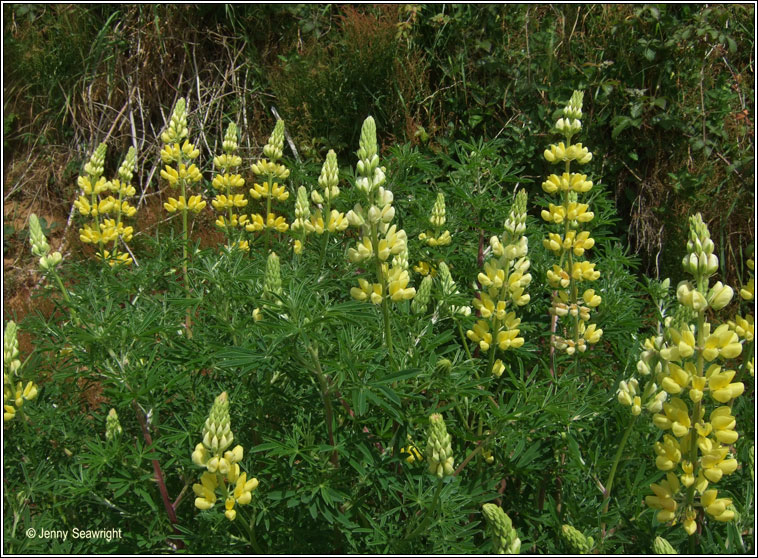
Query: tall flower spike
{"x": 439, "y": 452}
{"x": 326, "y": 219}
{"x": 226, "y": 181}
{"x": 381, "y": 242}
{"x": 569, "y": 243}
{"x": 270, "y": 190}
{"x": 15, "y": 392}
{"x": 505, "y": 539}
{"x": 223, "y": 469}
{"x": 503, "y": 287}
{"x": 690, "y": 362}
{"x": 105, "y": 203}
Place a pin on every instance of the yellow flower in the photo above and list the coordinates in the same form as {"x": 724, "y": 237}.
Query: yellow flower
{"x": 205, "y": 491}
{"x": 663, "y": 499}
{"x": 720, "y": 384}
{"x": 480, "y": 333}
{"x": 716, "y": 507}
{"x": 669, "y": 453}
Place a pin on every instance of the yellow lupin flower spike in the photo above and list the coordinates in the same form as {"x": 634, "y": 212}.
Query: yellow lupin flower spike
{"x": 689, "y": 361}
{"x": 503, "y": 281}
{"x": 15, "y": 392}
{"x": 223, "y": 469}
{"x": 107, "y": 212}
{"x": 569, "y": 243}
{"x": 224, "y": 182}
{"x": 269, "y": 189}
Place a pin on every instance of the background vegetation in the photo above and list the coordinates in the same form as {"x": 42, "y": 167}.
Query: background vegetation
{"x": 464, "y": 98}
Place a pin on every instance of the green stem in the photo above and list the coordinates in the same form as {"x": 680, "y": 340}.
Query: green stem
{"x": 185, "y": 257}
{"x": 325, "y": 395}
{"x": 463, "y": 339}
{"x": 616, "y": 460}
{"x": 429, "y": 512}
{"x": 250, "y": 527}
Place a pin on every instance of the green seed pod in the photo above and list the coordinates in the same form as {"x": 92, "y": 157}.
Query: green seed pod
{"x": 112, "y": 425}
{"x": 504, "y": 537}
{"x": 439, "y": 451}
{"x": 421, "y": 300}
{"x": 576, "y": 540}
{"x": 272, "y": 280}
{"x": 662, "y": 546}
{"x": 40, "y": 247}
{"x": 217, "y": 431}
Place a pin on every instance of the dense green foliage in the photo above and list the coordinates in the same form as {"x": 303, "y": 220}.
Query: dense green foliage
{"x": 464, "y": 99}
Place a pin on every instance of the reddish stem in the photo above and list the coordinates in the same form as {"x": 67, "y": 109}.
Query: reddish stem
{"x": 158, "y": 473}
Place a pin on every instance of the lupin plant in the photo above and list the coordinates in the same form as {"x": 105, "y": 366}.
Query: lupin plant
{"x": 302, "y": 225}
{"x": 223, "y": 472}
{"x": 113, "y": 428}
{"x": 505, "y": 539}
{"x": 435, "y": 236}
{"x": 180, "y": 171}
{"x": 272, "y": 280}
{"x": 270, "y": 170}
{"x": 576, "y": 540}
{"x": 107, "y": 212}
{"x": 439, "y": 451}
{"x": 570, "y": 243}
{"x": 380, "y": 240}
{"x": 326, "y": 218}
{"x": 15, "y": 392}
{"x": 503, "y": 284}
{"x": 744, "y": 327}
{"x": 699, "y": 427}
{"x": 226, "y": 182}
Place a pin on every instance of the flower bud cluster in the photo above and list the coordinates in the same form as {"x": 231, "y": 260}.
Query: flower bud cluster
{"x": 112, "y": 426}
{"x": 107, "y": 211}
{"x": 40, "y": 247}
{"x": 439, "y": 452}
{"x": 272, "y": 279}
{"x": 690, "y": 363}
{"x": 225, "y": 182}
{"x": 436, "y": 236}
{"x": 223, "y": 472}
{"x": 505, "y": 539}
{"x": 503, "y": 285}
{"x": 449, "y": 289}
{"x": 380, "y": 240}
{"x": 576, "y": 539}
{"x": 184, "y": 172}
{"x": 15, "y": 392}
{"x": 269, "y": 190}
{"x": 324, "y": 218}
{"x": 569, "y": 243}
